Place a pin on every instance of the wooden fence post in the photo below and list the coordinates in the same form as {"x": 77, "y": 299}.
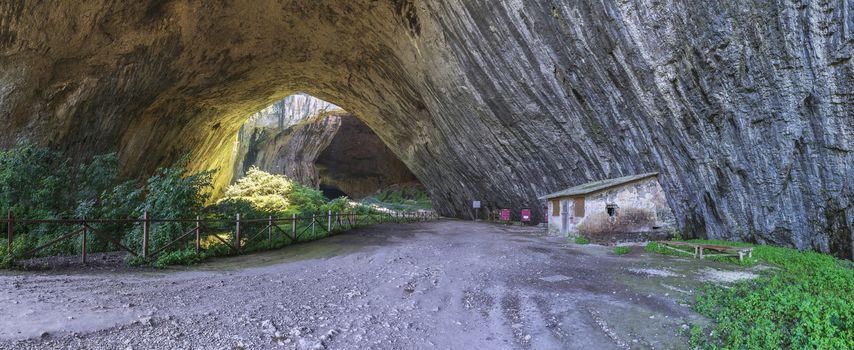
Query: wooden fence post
{"x": 270, "y": 231}
{"x": 9, "y": 233}
{"x": 237, "y": 233}
{"x": 313, "y": 221}
{"x": 329, "y": 221}
{"x": 198, "y": 235}
{"x": 294, "y": 226}
{"x": 145, "y": 229}
{"x": 83, "y": 242}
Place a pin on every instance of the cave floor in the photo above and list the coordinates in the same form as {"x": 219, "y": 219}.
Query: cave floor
{"x": 449, "y": 284}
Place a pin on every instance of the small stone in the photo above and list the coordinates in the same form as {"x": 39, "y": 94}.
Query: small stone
{"x": 44, "y": 335}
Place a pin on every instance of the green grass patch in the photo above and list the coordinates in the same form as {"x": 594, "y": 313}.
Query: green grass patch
{"x": 622, "y": 250}
{"x": 582, "y": 240}
{"x": 803, "y": 302}
{"x": 400, "y": 198}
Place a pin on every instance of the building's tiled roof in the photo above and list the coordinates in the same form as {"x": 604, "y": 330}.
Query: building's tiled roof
{"x": 597, "y": 186}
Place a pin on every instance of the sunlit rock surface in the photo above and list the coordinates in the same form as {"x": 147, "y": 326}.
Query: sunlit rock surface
{"x": 283, "y": 139}
{"x": 744, "y": 107}
{"x": 318, "y": 144}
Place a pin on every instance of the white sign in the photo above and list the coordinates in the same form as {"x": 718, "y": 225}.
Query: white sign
{"x": 475, "y": 204}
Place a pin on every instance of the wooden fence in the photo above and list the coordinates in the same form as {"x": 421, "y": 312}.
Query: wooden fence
{"x": 293, "y": 228}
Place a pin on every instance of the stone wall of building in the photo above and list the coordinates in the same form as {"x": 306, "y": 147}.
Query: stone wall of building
{"x": 640, "y": 209}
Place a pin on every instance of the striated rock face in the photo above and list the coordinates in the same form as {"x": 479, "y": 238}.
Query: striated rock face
{"x": 745, "y": 107}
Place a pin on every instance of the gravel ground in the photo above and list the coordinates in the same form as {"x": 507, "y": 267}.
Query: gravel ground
{"x": 448, "y": 285}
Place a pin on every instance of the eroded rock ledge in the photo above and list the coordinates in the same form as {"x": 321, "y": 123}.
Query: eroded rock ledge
{"x": 745, "y": 107}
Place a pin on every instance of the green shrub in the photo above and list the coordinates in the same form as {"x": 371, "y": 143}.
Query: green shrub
{"x": 804, "y": 302}
{"x": 171, "y": 193}
{"x": 186, "y": 256}
{"x": 264, "y": 191}
{"x": 260, "y": 194}
{"x": 582, "y": 240}
{"x": 621, "y": 250}
{"x": 400, "y": 198}
{"x": 36, "y": 183}
{"x": 33, "y": 182}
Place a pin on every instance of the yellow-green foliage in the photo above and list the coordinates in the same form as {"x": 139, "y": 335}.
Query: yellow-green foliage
{"x": 266, "y": 192}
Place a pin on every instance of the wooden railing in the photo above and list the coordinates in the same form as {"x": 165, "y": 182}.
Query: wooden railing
{"x": 296, "y": 228}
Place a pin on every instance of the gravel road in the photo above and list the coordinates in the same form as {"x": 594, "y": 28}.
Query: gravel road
{"x": 447, "y": 285}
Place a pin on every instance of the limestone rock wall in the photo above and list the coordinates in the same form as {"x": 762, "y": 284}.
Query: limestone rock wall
{"x": 286, "y": 138}
{"x": 744, "y": 107}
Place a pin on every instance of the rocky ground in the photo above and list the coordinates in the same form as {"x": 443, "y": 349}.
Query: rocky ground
{"x": 446, "y": 285}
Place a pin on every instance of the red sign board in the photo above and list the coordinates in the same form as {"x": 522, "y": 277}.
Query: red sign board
{"x": 526, "y": 214}
{"x": 505, "y": 214}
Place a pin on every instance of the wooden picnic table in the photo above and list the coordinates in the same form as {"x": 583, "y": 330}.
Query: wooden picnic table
{"x": 723, "y": 250}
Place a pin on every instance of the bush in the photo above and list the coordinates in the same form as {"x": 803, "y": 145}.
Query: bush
{"x": 622, "y": 250}
{"x": 401, "y": 198}
{"x": 171, "y": 193}
{"x": 260, "y": 194}
{"x": 33, "y": 182}
{"x": 804, "y": 303}
{"x": 582, "y": 240}
{"x": 186, "y": 256}
{"x": 264, "y": 191}
{"x": 36, "y": 183}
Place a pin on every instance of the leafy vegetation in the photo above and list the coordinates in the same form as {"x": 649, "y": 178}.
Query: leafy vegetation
{"x": 802, "y": 302}
{"x": 261, "y": 190}
{"x": 36, "y": 183}
{"x": 582, "y": 240}
{"x": 622, "y": 250}
{"x": 171, "y": 193}
{"x": 400, "y": 197}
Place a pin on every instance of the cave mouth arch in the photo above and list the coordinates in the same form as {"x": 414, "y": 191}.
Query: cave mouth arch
{"x": 320, "y": 145}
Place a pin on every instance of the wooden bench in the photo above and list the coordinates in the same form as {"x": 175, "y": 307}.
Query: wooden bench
{"x": 723, "y": 250}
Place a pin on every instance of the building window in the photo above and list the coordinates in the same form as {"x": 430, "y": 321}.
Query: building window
{"x": 612, "y": 210}
{"x": 555, "y": 207}
{"x": 578, "y": 205}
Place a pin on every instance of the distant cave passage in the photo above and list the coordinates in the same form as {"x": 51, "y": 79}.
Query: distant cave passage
{"x": 332, "y": 192}
{"x": 359, "y": 163}
{"x": 320, "y": 145}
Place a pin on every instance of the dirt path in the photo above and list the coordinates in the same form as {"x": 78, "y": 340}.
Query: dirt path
{"x": 446, "y": 285}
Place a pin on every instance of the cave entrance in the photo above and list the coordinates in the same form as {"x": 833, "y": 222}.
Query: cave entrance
{"x": 332, "y": 192}
{"x": 325, "y": 147}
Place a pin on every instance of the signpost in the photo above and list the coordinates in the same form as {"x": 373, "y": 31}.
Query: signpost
{"x": 476, "y": 206}
{"x": 505, "y": 214}
{"x": 526, "y": 215}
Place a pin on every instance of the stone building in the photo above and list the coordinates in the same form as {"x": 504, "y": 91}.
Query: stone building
{"x": 621, "y": 209}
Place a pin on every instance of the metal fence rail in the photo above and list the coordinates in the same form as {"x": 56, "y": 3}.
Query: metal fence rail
{"x": 314, "y": 227}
